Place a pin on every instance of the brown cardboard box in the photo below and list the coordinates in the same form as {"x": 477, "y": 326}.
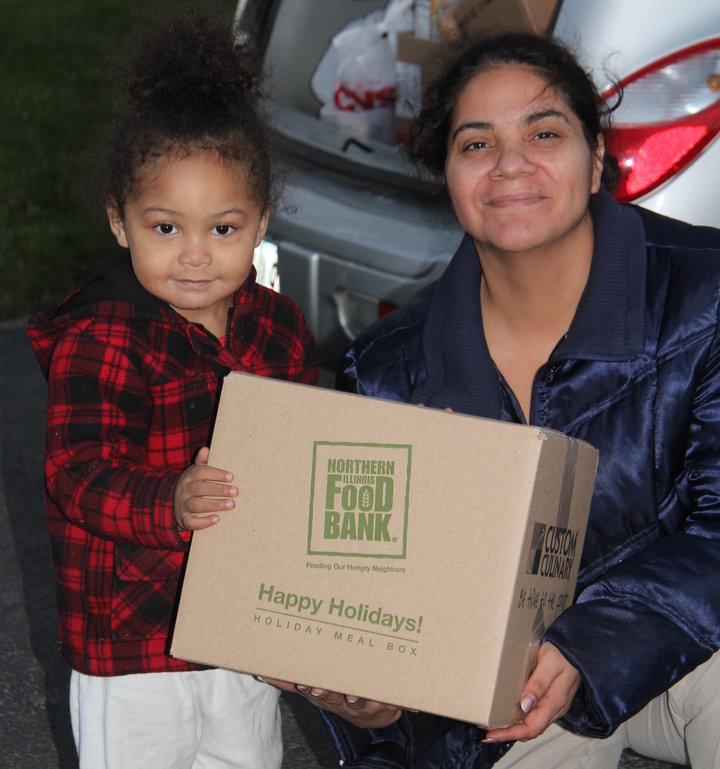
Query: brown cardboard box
{"x": 477, "y": 17}
{"x": 429, "y": 16}
{"x": 419, "y": 60}
{"x": 402, "y": 554}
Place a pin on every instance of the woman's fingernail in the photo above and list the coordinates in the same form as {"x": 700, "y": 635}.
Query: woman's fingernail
{"x": 301, "y": 688}
{"x": 260, "y": 678}
{"x": 527, "y": 703}
{"x": 488, "y": 741}
{"x": 351, "y": 700}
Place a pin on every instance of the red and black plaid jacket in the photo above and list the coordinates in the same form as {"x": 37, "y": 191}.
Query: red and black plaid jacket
{"x": 132, "y": 390}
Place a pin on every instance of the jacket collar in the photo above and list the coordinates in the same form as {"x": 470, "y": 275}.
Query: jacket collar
{"x": 608, "y": 324}
{"x": 113, "y": 291}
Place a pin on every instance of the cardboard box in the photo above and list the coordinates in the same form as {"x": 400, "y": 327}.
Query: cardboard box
{"x": 472, "y": 18}
{"x": 429, "y": 16}
{"x": 402, "y": 554}
{"x": 419, "y": 60}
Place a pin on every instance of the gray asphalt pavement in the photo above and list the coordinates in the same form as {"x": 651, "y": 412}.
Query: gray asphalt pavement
{"x": 34, "y": 720}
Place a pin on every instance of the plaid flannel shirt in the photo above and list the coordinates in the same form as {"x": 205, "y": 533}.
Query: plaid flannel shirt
{"x": 132, "y": 391}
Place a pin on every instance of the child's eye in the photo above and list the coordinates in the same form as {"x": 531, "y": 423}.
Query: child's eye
{"x": 223, "y": 229}
{"x": 165, "y": 228}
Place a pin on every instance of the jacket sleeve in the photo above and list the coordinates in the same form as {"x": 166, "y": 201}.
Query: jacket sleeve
{"x": 379, "y": 364}
{"x": 98, "y": 413}
{"x": 416, "y": 741}
{"x": 655, "y": 616}
{"x": 638, "y": 630}
{"x": 384, "y": 379}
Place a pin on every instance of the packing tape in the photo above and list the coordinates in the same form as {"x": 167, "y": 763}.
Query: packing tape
{"x": 568, "y": 483}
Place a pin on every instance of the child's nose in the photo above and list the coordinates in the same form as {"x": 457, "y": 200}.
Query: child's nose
{"x": 195, "y": 253}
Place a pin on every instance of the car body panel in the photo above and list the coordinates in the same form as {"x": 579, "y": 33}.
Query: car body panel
{"x": 615, "y": 38}
{"x": 357, "y": 221}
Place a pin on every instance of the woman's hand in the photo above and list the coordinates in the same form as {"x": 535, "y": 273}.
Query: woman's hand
{"x": 546, "y": 696}
{"x": 365, "y": 714}
{"x": 196, "y": 495}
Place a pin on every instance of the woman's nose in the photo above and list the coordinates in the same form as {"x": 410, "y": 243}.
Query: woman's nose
{"x": 512, "y": 160}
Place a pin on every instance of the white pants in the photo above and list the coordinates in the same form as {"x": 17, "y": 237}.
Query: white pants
{"x": 682, "y": 726}
{"x": 190, "y": 720}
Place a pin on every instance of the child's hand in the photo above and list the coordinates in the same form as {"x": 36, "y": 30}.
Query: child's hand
{"x": 195, "y": 504}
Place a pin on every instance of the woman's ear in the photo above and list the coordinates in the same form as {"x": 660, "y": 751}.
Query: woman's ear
{"x": 116, "y": 222}
{"x": 598, "y": 165}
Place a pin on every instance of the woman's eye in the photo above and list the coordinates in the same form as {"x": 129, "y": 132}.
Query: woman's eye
{"x": 476, "y": 145}
{"x": 223, "y": 229}
{"x": 165, "y": 228}
{"x": 546, "y": 135}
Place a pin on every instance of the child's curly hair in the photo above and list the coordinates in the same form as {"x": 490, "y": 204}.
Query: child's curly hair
{"x": 189, "y": 86}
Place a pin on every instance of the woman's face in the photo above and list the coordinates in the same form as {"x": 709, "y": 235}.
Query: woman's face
{"x": 519, "y": 171}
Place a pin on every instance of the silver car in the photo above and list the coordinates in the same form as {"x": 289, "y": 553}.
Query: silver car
{"x": 356, "y": 233}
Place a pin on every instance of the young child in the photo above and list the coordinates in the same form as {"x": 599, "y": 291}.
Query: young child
{"x": 134, "y": 362}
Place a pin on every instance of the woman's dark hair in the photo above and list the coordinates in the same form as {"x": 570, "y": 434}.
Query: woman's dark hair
{"x": 189, "y": 86}
{"x": 428, "y": 134}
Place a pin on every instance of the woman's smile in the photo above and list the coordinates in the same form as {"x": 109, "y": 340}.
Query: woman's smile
{"x": 514, "y": 200}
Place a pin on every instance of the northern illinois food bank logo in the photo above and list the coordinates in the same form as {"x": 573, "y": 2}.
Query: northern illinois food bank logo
{"x": 359, "y": 499}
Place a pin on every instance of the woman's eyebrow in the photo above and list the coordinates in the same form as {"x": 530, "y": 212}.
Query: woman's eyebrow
{"x": 533, "y": 117}
{"x": 469, "y": 126}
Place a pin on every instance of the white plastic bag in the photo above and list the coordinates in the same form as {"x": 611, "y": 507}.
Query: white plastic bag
{"x": 355, "y": 79}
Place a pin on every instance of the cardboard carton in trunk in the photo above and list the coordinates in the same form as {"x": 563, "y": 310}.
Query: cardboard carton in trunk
{"x": 402, "y": 554}
{"x": 420, "y": 60}
{"x": 473, "y": 18}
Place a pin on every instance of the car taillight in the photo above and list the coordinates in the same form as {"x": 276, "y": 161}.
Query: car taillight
{"x": 669, "y": 113}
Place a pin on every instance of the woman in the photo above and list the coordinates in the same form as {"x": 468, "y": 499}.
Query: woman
{"x": 564, "y": 309}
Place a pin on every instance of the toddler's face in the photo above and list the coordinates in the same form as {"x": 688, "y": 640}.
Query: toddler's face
{"x": 192, "y": 229}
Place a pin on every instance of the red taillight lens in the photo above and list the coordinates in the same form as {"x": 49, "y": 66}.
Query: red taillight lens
{"x": 669, "y": 114}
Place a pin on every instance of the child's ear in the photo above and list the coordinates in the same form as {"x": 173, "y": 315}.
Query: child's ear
{"x": 116, "y": 222}
{"x": 262, "y": 227}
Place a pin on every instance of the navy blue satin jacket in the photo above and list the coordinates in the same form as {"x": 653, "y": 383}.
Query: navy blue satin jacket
{"x": 637, "y": 376}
